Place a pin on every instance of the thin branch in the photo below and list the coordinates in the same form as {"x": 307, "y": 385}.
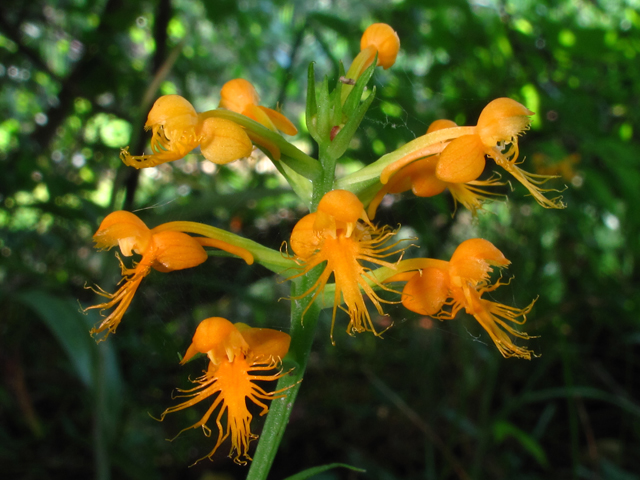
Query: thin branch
{"x": 161, "y": 68}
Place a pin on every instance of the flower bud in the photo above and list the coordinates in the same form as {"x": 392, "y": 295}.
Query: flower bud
{"x": 385, "y": 40}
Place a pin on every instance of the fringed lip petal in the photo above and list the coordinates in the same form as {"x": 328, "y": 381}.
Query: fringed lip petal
{"x": 239, "y": 357}
{"x": 530, "y": 181}
{"x": 344, "y": 243}
{"x": 121, "y": 299}
{"x": 441, "y": 289}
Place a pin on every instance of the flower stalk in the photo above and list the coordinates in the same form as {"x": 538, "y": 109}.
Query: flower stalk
{"x": 302, "y": 334}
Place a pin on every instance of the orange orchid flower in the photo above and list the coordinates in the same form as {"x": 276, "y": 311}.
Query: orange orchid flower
{"x": 462, "y": 150}
{"x": 496, "y": 135}
{"x": 341, "y": 235}
{"x": 177, "y": 129}
{"x": 164, "y": 251}
{"x": 240, "y": 96}
{"x": 380, "y": 39}
{"x": 238, "y": 357}
{"x": 460, "y": 283}
{"x": 420, "y": 177}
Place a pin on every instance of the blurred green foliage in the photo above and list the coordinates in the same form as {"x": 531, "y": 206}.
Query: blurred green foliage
{"x": 432, "y": 400}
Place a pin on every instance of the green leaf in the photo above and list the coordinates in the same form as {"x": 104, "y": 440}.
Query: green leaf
{"x": 343, "y": 139}
{"x": 70, "y": 328}
{"x": 323, "y": 118}
{"x": 336, "y": 117}
{"x": 310, "y": 472}
{"x": 503, "y": 429}
{"x": 301, "y": 185}
{"x": 312, "y": 104}
{"x": 95, "y": 364}
{"x": 353, "y": 100}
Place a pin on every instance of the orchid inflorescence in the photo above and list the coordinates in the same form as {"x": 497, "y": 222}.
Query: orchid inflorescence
{"x": 338, "y": 236}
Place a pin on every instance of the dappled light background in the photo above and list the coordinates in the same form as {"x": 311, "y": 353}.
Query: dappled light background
{"x": 432, "y": 399}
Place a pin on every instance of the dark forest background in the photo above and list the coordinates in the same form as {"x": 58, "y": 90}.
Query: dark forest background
{"x": 432, "y": 400}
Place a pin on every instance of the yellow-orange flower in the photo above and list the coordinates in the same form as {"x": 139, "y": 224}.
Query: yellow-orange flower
{"x": 462, "y": 152}
{"x": 460, "y": 283}
{"x": 177, "y": 129}
{"x": 384, "y": 41}
{"x": 240, "y": 96}
{"x": 496, "y": 135}
{"x": 420, "y": 177}
{"x": 379, "y": 39}
{"x": 164, "y": 251}
{"x": 238, "y": 357}
{"x": 340, "y": 234}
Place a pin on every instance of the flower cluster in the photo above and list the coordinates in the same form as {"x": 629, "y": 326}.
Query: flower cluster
{"x": 337, "y": 241}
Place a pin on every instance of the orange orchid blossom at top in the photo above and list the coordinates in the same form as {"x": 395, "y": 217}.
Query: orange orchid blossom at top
{"x": 463, "y": 149}
{"x": 341, "y": 235}
{"x": 177, "y": 129}
{"x": 420, "y": 177}
{"x": 164, "y": 251}
{"x": 240, "y": 96}
{"x": 238, "y": 357}
{"x": 378, "y": 39}
{"x": 460, "y": 283}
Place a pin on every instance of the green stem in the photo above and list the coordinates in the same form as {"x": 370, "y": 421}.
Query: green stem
{"x": 301, "y": 301}
{"x": 301, "y": 340}
{"x": 325, "y": 182}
